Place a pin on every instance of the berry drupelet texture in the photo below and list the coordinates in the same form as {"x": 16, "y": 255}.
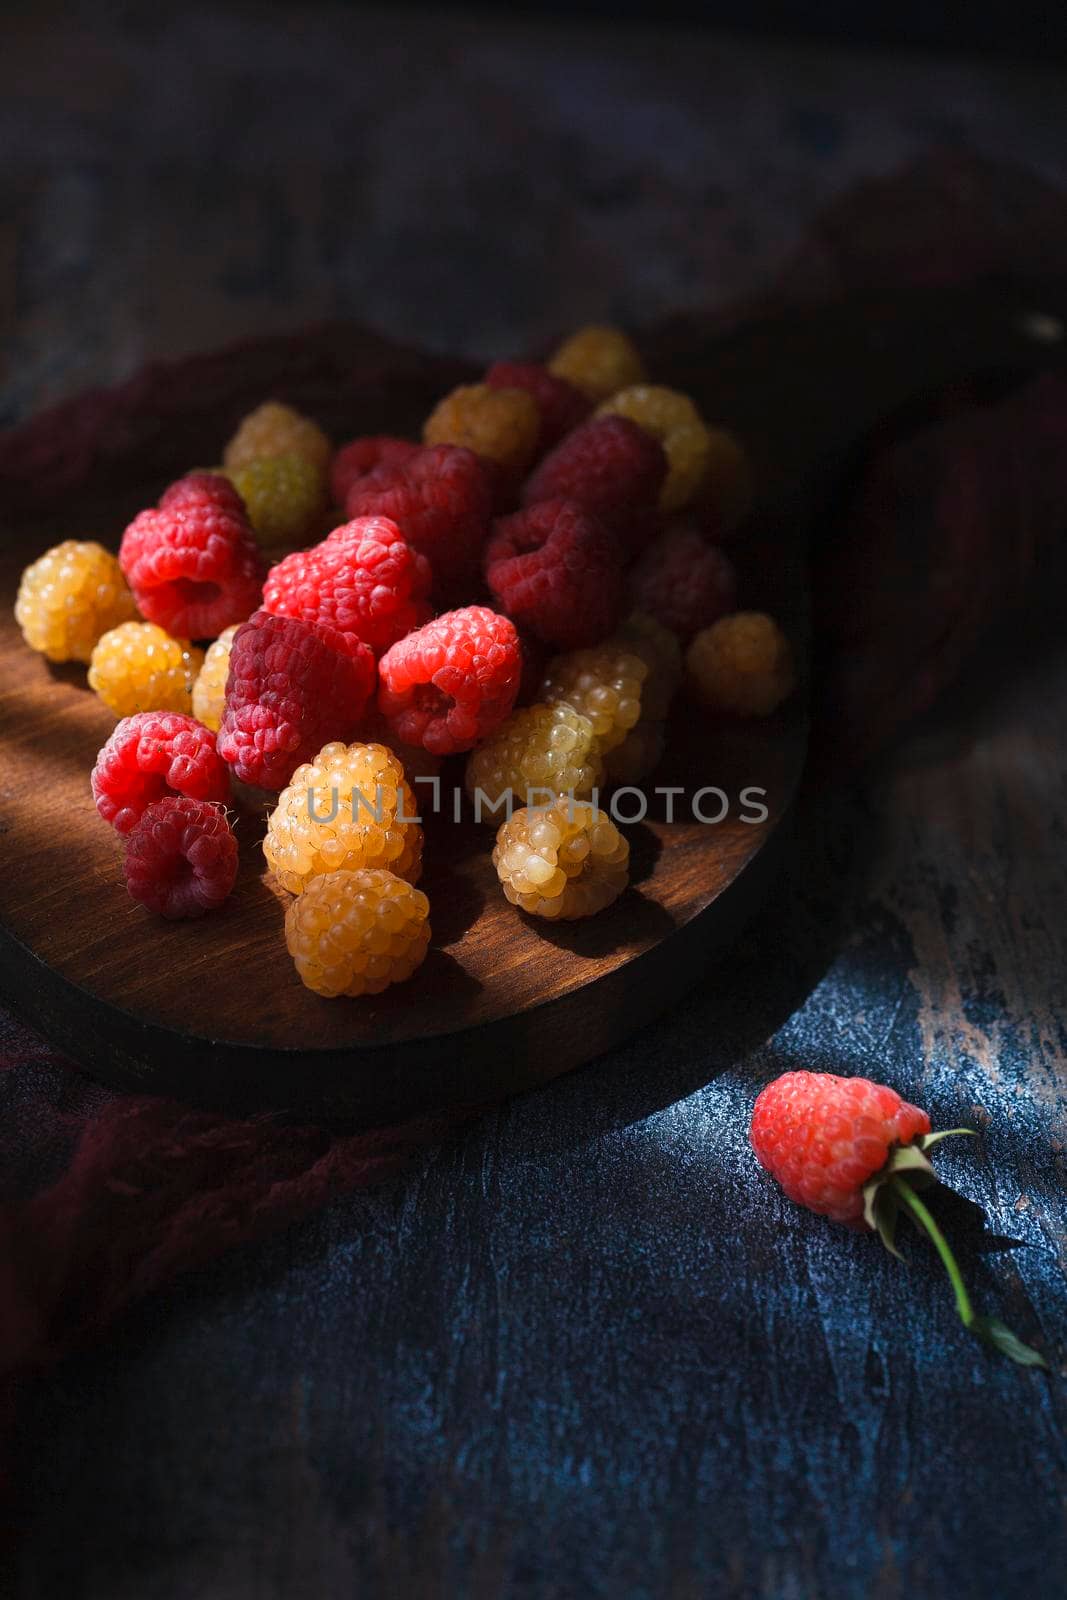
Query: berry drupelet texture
{"x": 357, "y": 932}
{"x": 683, "y": 581}
{"x": 557, "y": 572}
{"x": 359, "y": 456}
{"x": 209, "y": 690}
{"x": 603, "y": 683}
{"x": 70, "y": 596}
{"x": 741, "y": 664}
{"x": 560, "y": 405}
{"x": 284, "y": 496}
{"x": 561, "y": 862}
{"x": 273, "y": 429}
{"x": 453, "y": 681}
{"x": 139, "y": 667}
{"x": 598, "y": 361}
{"x": 151, "y": 755}
{"x": 548, "y": 749}
{"x": 350, "y": 807}
{"x": 502, "y": 425}
{"x": 181, "y": 857}
{"x": 441, "y": 499}
{"x": 674, "y": 420}
{"x": 614, "y": 470}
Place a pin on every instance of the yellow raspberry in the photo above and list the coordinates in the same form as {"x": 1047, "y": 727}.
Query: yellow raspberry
{"x": 742, "y": 663}
{"x": 284, "y": 496}
{"x": 674, "y": 420}
{"x": 604, "y": 683}
{"x": 638, "y": 755}
{"x": 276, "y": 430}
{"x": 564, "y": 862}
{"x": 209, "y": 690}
{"x": 550, "y": 749}
{"x": 353, "y": 933}
{"x": 502, "y": 424}
{"x": 659, "y": 649}
{"x": 138, "y": 667}
{"x": 728, "y": 481}
{"x": 70, "y": 596}
{"x": 349, "y": 808}
{"x": 598, "y": 361}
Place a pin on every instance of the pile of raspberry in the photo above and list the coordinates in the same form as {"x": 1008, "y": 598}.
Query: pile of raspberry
{"x": 311, "y": 632}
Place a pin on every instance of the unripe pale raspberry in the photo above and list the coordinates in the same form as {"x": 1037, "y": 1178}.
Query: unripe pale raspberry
{"x": 69, "y": 597}
{"x": 285, "y": 497}
{"x": 354, "y": 933}
{"x": 550, "y": 749}
{"x": 604, "y": 683}
{"x": 674, "y": 420}
{"x": 742, "y": 664}
{"x": 138, "y": 667}
{"x": 562, "y": 862}
{"x": 501, "y": 425}
{"x": 350, "y": 807}
{"x": 209, "y": 690}
{"x": 598, "y": 361}
{"x": 273, "y": 429}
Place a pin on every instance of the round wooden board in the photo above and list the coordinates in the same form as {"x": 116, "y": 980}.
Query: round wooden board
{"x": 212, "y": 1011}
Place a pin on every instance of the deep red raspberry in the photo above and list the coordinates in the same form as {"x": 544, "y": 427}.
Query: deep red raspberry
{"x": 683, "y": 581}
{"x": 365, "y": 579}
{"x": 454, "y": 681}
{"x": 293, "y": 686}
{"x": 611, "y": 467}
{"x": 823, "y": 1137}
{"x": 360, "y": 456}
{"x": 557, "y": 571}
{"x": 561, "y": 405}
{"x": 193, "y": 564}
{"x": 441, "y": 500}
{"x": 153, "y": 754}
{"x": 181, "y": 857}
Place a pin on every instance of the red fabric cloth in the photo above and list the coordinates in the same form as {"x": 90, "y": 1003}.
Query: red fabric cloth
{"x": 117, "y": 1195}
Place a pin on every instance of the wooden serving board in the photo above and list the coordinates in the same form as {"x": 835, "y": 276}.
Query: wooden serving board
{"x": 212, "y": 1011}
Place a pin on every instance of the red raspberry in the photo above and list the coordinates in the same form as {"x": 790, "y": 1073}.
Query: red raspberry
{"x": 360, "y": 456}
{"x": 454, "y": 681}
{"x": 365, "y": 579}
{"x": 557, "y": 571}
{"x": 561, "y": 405}
{"x": 181, "y": 857}
{"x": 293, "y": 686}
{"x": 611, "y": 467}
{"x": 823, "y": 1137}
{"x": 441, "y": 500}
{"x": 153, "y": 754}
{"x": 683, "y": 581}
{"x": 193, "y": 564}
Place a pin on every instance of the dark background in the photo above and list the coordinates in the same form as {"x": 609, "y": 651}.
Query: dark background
{"x": 584, "y": 1349}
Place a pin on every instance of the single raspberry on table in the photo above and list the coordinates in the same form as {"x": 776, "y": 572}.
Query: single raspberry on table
{"x": 503, "y": 425}
{"x": 353, "y": 933}
{"x": 69, "y": 597}
{"x": 153, "y": 754}
{"x": 561, "y": 862}
{"x": 139, "y": 667}
{"x": 604, "y": 683}
{"x": 441, "y": 499}
{"x": 614, "y": 469}
{"x": 284, "y": 496}
{"x": 209, "y": 690}
{"x": 674, "y": 420}
{"x": 273, "y": 429}
{"x": 359, "y": 456}
{"x": 742, "y": 664}
{"x": 548, "y": 749}
{"x": 854, "y": 1151}
{"x": 556, "y": 571}
{"x": 683, "y": 581}
{"x": 351, "y": 806}
{"x": 181, "y": 857}
{"x": 453, "y": 681}
{"x": 560, "y": 405}
{"x": 364, "y": 579}
{"x": 598, "y": 360}
{"x": 292, "y": 686}
{"x": 193, "y": 563}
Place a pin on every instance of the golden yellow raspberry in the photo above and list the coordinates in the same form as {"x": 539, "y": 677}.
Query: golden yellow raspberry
{"x": 728, "y": 481}
{"x": 598, "y": 361}
{"x": 604, "y": 683}
{"x": 674, "y": 420}
{"x": 742, "y": 663}
{"x": 638, "y": 755}
{"x": 209, "y": 690}
{"x": 550, "y": 749}
{"x": 276, "y": 430}
{"x": 285, "y": 497}
{"x": 353, "y": 933}
{"x": 70, "y": 596}
{"x": 138, "y": 667}
{"x": 502, "y": 424}
{"x": 659, "y": 649}
{"x": 566, "y": 861}
{"x": 349, "y": 808}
